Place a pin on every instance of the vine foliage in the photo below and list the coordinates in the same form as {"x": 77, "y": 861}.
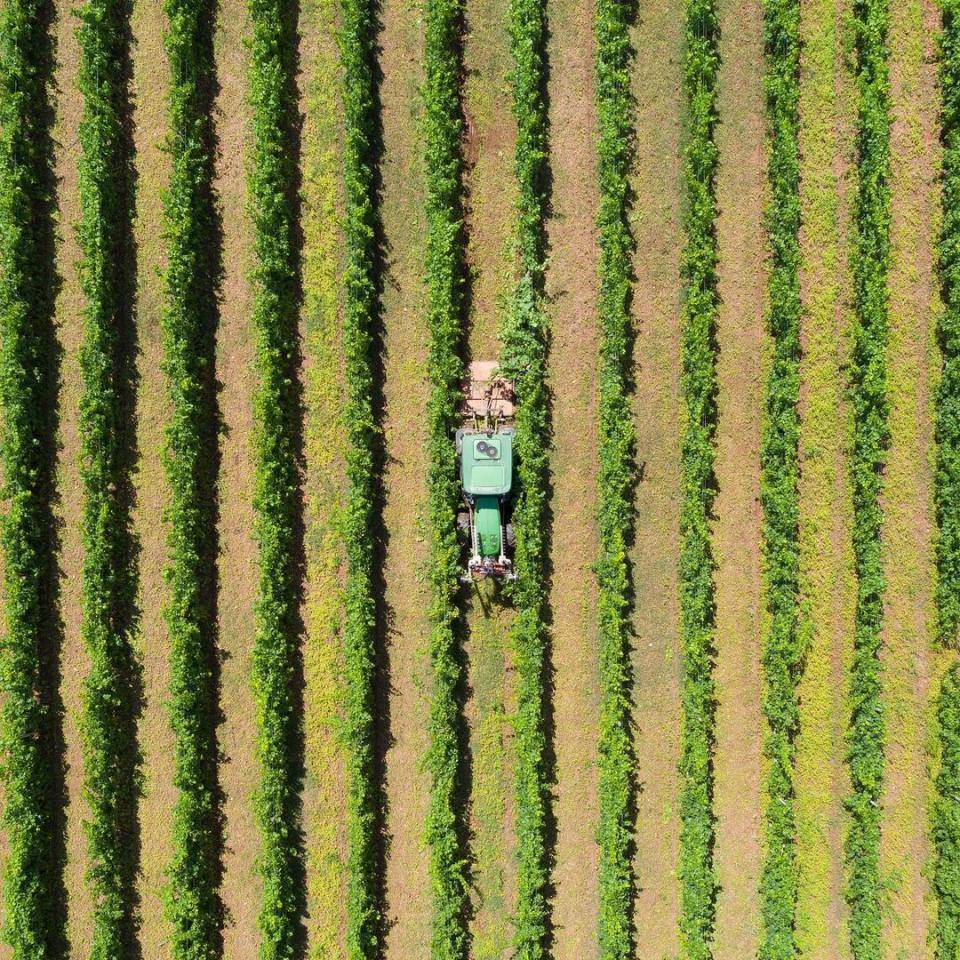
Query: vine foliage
{"x": 113, "y": 686}
{"x": 779, "y": 462}
{"x": 698, "y": 383}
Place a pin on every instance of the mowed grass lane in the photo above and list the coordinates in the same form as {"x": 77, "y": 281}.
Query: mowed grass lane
{"x": 491, "y": 198}
{"x": 736, "y": 532}
{"x": 572, "y": 291}
{"x": 827, "y": 109}
{"x": 324, "y": 814}
{"x": 404, "y": 482}
{"x": 911, "y": 661}
{"x": 658, "y": 41}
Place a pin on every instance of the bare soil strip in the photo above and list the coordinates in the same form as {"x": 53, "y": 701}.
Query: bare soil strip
{"x": 404, "y": 222}
{"x": 237, "y": 567}
{"x": 325, "y": 438}
{"x": 491, "y": 189}
{"x": 827, "y": 108}
{"x": 736, "y": 532}
{"x": 572, "y": 289}
{"x": 910, "y": 660}
{"x": 658, "y": 41}
{"x": 150, "y": 80}
{"x": 491, "y": 186}
{"x": 75, "y": 662}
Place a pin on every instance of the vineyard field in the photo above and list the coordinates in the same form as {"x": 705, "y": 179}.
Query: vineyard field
{"x": 266, "y": 690}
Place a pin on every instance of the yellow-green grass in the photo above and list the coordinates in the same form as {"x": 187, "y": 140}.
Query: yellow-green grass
{"x": 325, "y": 436}
{"x": 150, "y": 84}
{"x": 827, "y": 107}
{"x": 404, "y": 483}
{"x": 491, "y": 186}
{"x": 658, "y": 42}
{"x": 491, "y": 198}
{"x": 911, "y": 663}
{"x": 240, "y": 888}
{"x": 75, "y": 662}
{"x": 572, "y": 290}
{"x": 736, "y": 531}
{"x": 491, "y": 767}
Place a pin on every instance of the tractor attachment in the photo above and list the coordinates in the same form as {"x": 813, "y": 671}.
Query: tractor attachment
{"x": 485, "y": 453}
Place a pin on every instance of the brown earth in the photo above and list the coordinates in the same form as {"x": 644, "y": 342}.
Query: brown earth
{"x": 150, "y": 82}
{"x": 736, "y": 531}
{"x": 572, "y": 288}
{"x": 237, "y": 566}
{"x": 407, "y": 786}
{"x": 658, "y": 42}
{"x": 74, "y": 660}
{"x": 910, "y": 662}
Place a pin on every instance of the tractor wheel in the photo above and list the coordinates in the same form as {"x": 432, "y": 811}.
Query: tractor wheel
{"x": 463, "y": 520}
{"x": 509, "y": 535}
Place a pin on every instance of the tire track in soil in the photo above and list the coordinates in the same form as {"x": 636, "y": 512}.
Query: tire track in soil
{"x": 405, "y": 395}
{"x": 572, "y": 290}
{"x": 324, "y": 798}
{"x": 911, "y": 662}
{"x": 736, "y": 529}
{"x": 827, "y": 584}
{"x": 150, "y": 89}
{"x": 238, "y": 577}
{"x": 75, "y": 663}
{"x": 658, "y": 42}
{"x": 491, "y": 214}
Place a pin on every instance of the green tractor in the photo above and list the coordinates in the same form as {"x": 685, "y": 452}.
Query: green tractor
{"x": 485, "y": 453}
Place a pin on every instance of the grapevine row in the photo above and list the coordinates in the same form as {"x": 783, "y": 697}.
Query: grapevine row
{"x": 617, "y": 787}
{"x": 189, "y": 325}
{"x": 445, "y": 275}
{"x": 361, "y": 309}
{"x": 698, "y": 882}
{"x": 111, "y": 756}
{"x": 947, "y": 487}
{"x": 524, "y": 337}
{"x": 870, "y": 435}
{"x": 779, "y": 458}
{"x": 33, "y": 889}
{"x": 276, "y": 499}
{"x": 945, "y": 815}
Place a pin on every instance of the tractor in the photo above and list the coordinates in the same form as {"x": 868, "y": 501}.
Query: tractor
{"x": 485, "y": 454}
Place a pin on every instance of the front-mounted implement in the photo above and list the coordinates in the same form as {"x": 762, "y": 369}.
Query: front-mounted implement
{"x": 485, "y": 452}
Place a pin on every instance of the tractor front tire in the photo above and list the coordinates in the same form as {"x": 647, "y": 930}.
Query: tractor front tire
{"x": 510, "y": 537}
{"x": 463, "y": 521}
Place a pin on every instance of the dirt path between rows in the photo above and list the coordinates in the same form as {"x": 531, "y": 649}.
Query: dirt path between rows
{"x": 75, "y": 663}
{"x": 238, "y": 573}
{"x": 572, "y": 287}
{"x": 658, "y": 42}
{"x": 826, "y": 557}
{"x": 151, "y": 82}
{"x": 911, "y": 665}
{"x": 404, "y": 483}
{"x": 736, "y": 531}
